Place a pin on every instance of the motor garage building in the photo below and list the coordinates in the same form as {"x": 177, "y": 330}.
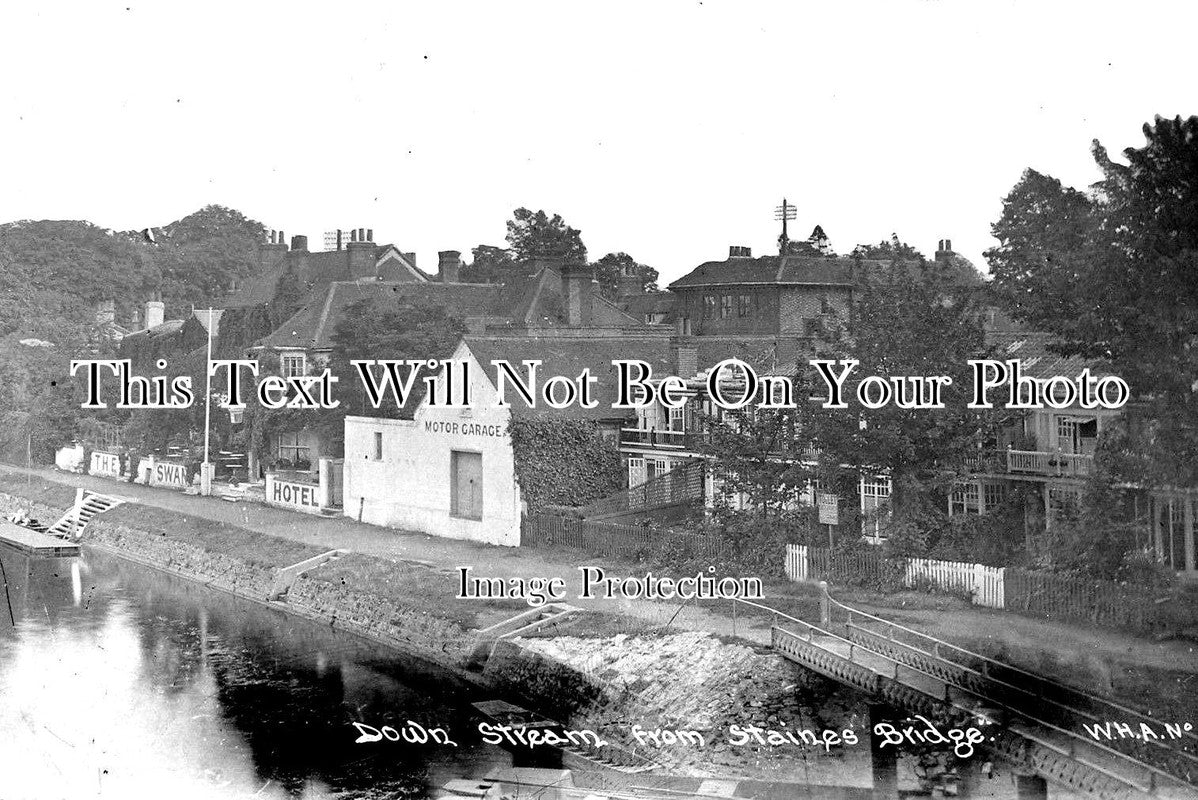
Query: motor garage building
{"x": 451, "y": 472}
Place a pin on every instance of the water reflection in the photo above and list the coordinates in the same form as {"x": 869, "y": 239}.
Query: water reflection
{"x": 118, "y": 682}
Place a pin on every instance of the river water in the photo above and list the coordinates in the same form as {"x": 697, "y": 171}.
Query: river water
{"x": 119, "y": 682}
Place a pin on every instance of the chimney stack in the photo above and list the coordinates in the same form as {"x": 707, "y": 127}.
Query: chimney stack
{"x": 135, "y": 320}
{"x": 739, "y": 251}
{"x": 944, "y": 250}
{"x": 272, "y": 251}
{"x": 449, "y": 264}
{"x": 362, "y": 261}
{"x": 299, "y": 243}
{"x": 578, "y": 281}
{"x": 630, "y": 284}
{"x": 155, "y": 310}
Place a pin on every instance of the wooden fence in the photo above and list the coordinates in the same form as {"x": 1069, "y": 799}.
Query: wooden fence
{"x": 983, "y": 584}
{"x": 634, "y": 542}
{"x": 1051, "y": 596}
{"x": 1043, "y": 595}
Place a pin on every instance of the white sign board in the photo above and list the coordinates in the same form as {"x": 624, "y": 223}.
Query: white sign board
{"x": 107, "y": 465}
{"x": 829, "y": 509}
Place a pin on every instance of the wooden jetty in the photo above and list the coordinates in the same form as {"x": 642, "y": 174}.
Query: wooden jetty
{"x": 35, "y": 543}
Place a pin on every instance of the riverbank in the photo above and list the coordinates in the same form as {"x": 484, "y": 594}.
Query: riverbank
{"x": 590, "y": 680}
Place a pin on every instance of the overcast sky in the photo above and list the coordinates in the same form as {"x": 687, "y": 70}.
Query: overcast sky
{"x": 666, "y": 130}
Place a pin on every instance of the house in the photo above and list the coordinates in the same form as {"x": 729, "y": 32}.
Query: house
{"x": 552, "y": 302}
{"x": 787, "y": 294}
{"x": 1050, "y": 454}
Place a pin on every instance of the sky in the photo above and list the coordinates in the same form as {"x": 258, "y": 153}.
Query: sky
{"x": 666, "y": 130}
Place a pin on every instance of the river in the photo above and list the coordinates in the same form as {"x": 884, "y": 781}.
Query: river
{"x": 120, "y": 682}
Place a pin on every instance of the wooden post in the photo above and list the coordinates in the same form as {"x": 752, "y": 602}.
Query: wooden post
{"x": 825, "y": 605}
{"x": 1189, "y": 530}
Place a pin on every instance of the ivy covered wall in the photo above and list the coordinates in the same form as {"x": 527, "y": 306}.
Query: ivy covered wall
{"x": 564, "y": 462}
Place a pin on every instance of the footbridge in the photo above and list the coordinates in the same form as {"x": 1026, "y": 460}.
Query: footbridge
{"x": 1050, "y": 732}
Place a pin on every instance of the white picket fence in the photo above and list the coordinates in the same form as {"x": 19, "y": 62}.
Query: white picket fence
{"x": 983, "y": 584}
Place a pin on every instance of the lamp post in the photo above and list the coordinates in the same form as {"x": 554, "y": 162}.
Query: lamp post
{"x": 206, "y": 467}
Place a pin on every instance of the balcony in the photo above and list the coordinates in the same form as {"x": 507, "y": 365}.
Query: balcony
{"x": 661, "y": 438}
{"x": 1056, "y": 464}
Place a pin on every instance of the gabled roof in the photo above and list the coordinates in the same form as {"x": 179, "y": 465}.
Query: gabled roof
{"x": 568, "y": 357}
{"x": 312, "y": 327}
{"x": 319, "y": 269}
{"x": 799, "y": 270}
{"x": 538, "y": 301}
{"x": 1035, "y": 359}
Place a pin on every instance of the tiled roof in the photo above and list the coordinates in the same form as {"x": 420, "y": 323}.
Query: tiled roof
{"x": 315, "y": 271}
{"x": 568, "y": 357}
{"x": 313, "y": 325}
{"x": 638, "y": 305}
{"x": 1035, "y": 359}
{"x": 538, "y": 301}
{"x": 791, "y": 269}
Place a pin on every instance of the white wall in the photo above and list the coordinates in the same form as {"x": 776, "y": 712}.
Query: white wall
{"x": 409, "y": 487}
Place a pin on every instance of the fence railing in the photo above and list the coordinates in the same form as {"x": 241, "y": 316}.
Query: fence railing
{"x": 612, "y": 540}
{"x": 1040, "y": 594}
{"x": 662, "y": 437}
{"x": 682, "y": 484}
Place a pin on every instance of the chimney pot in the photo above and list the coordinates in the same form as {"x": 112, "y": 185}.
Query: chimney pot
{"x": 370, "y": 234}
{"x": 948, "y": 245}
{"x": 739, "y": 251}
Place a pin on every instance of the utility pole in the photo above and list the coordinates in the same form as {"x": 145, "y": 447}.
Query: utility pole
{"x": 785, "y": 213}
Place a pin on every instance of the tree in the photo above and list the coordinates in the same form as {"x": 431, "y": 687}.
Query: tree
{"x": 491, "y": 265}
{"x": 764, "y": 453}
{"x": 1113, "y": 272}
{"x": 613, "y": 265}
{"x": 914, "y": 321}
{"x": 532, "y": 235}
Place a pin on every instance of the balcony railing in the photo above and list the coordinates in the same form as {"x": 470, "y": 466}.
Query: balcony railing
{"x": 661, "y": 437}
{"x": 1033, "y": 462}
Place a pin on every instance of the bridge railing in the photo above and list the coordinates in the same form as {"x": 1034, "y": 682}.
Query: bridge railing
{"x": 1060, "y": 706}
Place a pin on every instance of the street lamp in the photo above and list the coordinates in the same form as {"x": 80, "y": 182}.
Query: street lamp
{"x": 206, "y": 468}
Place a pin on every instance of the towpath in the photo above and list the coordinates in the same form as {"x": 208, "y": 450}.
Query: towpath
{"x": 1090, "y": 655}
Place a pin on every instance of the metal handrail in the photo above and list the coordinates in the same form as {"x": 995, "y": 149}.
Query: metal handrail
{"x": 1099, "y": 699}
{"x": 1072, "y": 737}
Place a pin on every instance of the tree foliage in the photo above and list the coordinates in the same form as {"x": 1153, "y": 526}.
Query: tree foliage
{"x": 939, "y": 319}
{"x": 1113, "y": 272}
{"x": 536, "y": 234}
{"x": 491, "y": 264}
{"x": 613, "y": 265}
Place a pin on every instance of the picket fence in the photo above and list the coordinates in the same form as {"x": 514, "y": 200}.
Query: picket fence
{"x": 984, "y": 585}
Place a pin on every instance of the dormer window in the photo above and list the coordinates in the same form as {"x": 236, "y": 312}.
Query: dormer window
{"x": 292, "y": 365}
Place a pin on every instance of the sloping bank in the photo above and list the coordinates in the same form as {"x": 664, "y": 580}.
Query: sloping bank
{"x": 626, "y": 688}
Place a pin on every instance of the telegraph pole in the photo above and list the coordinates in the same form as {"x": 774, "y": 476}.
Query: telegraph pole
{"x": 785, "y": 212}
